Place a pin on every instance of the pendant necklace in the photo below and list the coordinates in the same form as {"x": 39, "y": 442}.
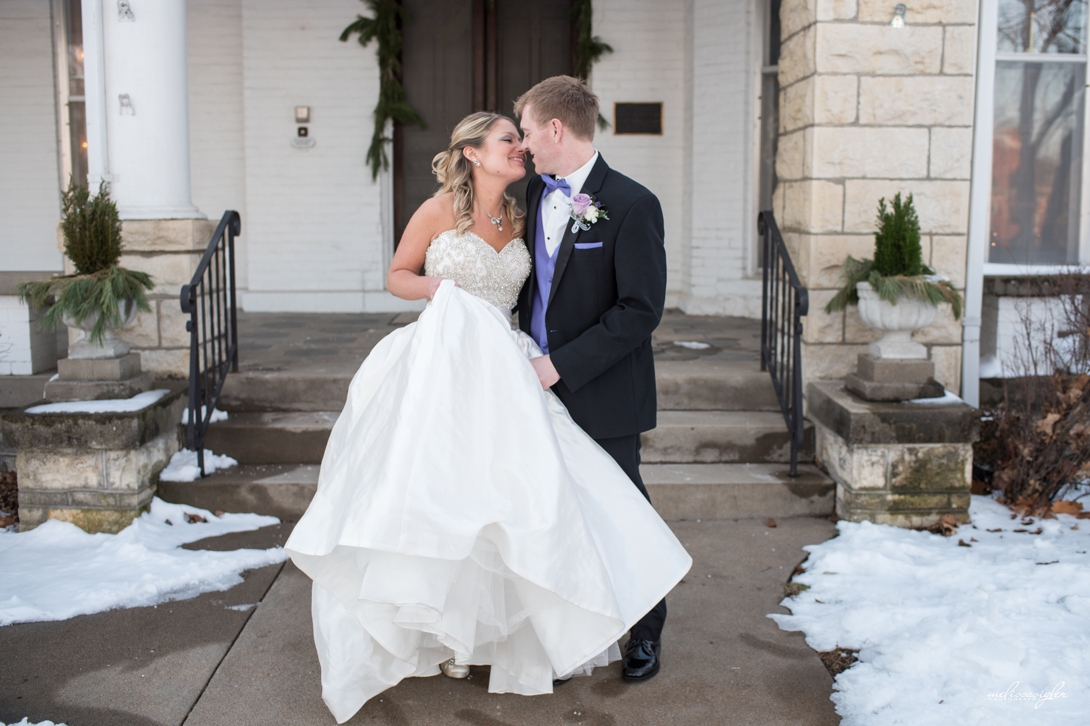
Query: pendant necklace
{"x": 498, "y": 221}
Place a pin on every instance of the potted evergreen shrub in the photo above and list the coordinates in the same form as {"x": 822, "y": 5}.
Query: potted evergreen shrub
{"x": 895, "y": 292}
{"x": 99, "y": 297}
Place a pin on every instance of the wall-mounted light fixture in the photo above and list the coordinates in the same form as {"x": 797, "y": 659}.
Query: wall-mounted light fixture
{"x": 898, "y": 16}
{"x": 124, "y": 11}
{"x": 302, "y": 114}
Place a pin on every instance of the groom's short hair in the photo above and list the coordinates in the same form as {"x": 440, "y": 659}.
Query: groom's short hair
{"x": 565, "y": 98}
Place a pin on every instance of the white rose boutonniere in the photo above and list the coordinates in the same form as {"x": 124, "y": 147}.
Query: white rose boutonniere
{"x": 585, "y": 211}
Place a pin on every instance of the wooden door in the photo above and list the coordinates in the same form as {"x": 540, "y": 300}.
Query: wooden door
{"x": 461, "y": 56}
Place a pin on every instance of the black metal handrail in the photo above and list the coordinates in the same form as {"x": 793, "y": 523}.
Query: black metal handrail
{"x": 209, "y": 300}
{"x": 784, "y": 302}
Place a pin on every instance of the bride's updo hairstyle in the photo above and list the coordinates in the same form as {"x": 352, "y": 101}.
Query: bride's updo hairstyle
{"x": 455, "y": 172}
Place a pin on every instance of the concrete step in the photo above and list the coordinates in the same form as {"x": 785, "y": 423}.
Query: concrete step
{"x": 299, "y": 437}
{"x": 720, "y": 437}
{"x": 700, "y": 384}
{"x": 738, "y": 491}
{"x": 714, "y": 385}
{"x": 272, "y": 437}
{"x": 679, "y": 491}
{"x": 280, "y": 490}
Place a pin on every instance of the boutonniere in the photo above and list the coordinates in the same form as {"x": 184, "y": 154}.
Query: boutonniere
{"x": 585, "y": 211}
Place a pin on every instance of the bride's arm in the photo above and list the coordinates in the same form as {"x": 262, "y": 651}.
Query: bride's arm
{"x": 405, "y": 279}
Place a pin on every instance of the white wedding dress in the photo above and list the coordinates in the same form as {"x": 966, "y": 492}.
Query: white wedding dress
{"x": 461, "y": 513}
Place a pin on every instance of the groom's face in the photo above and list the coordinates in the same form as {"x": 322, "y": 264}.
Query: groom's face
{"x": 541, "y": 140}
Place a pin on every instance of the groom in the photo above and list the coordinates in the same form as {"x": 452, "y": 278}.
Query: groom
{"x": 595, "y": 293}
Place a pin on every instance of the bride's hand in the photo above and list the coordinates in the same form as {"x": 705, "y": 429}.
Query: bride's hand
{"x": 433, "y": 285}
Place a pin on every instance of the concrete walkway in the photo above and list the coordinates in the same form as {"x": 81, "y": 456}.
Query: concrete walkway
{"x": 197, "y": 662}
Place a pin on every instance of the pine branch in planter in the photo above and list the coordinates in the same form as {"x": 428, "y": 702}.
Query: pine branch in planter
{"x": 92, "y": 240}
{"x": 393, "y": 104}
{"x": 897, "y": 270}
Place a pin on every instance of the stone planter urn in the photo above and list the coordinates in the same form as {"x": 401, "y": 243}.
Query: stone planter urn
{"x": 111, "y": 347}
{"x": 897, "y": 322}
{"x": 97, "y": 371}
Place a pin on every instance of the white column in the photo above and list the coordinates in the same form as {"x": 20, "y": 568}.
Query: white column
{"x": 147, "y": 108}
{"x": 94, "y": 89}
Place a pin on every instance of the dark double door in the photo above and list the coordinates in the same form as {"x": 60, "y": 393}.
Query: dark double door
{"x": 461, "y": 56}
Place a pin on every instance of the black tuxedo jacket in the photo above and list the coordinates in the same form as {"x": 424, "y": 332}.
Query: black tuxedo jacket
{"x": 605, "y": 303}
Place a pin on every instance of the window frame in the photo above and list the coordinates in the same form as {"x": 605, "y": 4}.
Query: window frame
{"x": 981, "y": 196}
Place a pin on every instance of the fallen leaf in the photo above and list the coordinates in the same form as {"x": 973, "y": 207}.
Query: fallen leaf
{"x": 1066, "y": 507}
{"x": 963, "y": 543}
{"x": 170, "y": 523}
{"x": 218, "y": 513}
{"x": 7, "y": 521}
{"x": 194, "y": 518}
{"x": 997, "y": 529}
{"x": 1046, "y": 424}
{"x": 771, "y": 522}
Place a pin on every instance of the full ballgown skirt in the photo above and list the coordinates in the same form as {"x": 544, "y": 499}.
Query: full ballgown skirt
{"x": 460, "y": 512}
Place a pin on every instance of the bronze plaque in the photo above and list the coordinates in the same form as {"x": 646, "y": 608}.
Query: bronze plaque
{"x": 637, "y": 118}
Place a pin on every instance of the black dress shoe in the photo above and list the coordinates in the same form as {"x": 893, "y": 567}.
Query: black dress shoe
{"x": 641, "y": 659}
{"x": 560, "y": 681}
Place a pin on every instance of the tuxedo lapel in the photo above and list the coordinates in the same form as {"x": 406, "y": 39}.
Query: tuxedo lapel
{"x": 533, "y": 203}
{"x": 591, "y": 186}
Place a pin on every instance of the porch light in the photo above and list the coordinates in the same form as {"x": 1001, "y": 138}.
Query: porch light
{"x": 302, "y": 114}
{"x": 898, "y": 16}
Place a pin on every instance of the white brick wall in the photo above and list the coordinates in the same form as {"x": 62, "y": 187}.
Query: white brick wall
{"x": 29, "y": 199}
{"x": 315, "y": 237}
{"x": 696, "y": 58}
{"x": 24, "y": 348}
{"x": 216, "y": 148}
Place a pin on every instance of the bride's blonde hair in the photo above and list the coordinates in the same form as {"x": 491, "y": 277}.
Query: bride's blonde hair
{"x": 455, "y": 172}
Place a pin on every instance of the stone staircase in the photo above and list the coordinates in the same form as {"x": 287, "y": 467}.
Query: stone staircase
{"x": 720, "y": 450}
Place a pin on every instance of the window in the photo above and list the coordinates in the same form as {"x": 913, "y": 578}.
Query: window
{"x": 68, "y": 22}
{"x": 1039, "y": 98}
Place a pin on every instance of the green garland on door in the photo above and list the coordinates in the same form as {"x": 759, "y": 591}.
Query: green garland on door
{"x": 588, "y": 46}
{"x": 392, "y": 102}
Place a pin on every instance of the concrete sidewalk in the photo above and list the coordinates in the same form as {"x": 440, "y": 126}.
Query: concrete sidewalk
{"x": 197, "y": 662}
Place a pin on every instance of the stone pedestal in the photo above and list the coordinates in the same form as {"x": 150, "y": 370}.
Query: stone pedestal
{"x": 893, "y": 379}
{"x": 96, "y": 470}
{"x": 904, "y": 464}
{"x": 91, "y": 379}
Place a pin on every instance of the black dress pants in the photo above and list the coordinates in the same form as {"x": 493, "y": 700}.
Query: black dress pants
{"x": 625, "y": 450}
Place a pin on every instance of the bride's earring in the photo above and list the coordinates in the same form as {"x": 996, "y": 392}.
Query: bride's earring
{"x": 476, "y": 162}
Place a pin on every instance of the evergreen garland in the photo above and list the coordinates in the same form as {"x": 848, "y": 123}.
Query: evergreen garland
{"x": 588, "y": 47}
{"x": 392, "y": 102}
{"x": 92, "y": 240}
{"x": 897, "y": 270}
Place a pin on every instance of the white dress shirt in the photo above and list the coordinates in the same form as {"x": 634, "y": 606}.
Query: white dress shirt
{"x": 556, "y": 208}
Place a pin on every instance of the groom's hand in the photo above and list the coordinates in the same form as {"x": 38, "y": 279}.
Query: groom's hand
{"x": 543, "y": 367}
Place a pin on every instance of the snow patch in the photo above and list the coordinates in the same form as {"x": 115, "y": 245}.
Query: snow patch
{"x": 692, "y": 344}
{"x": 109, "y": 405}
{"x": 26, "y": 722}
{"x": 57, "y": 571}
{"x": 945, "y": 398}
{"x": 183, "y": 465}
{"x": 217, "y": 415}
{"x": 990, "y": 634}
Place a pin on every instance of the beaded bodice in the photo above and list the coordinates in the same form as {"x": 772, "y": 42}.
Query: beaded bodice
{"x": 495, "y": 277}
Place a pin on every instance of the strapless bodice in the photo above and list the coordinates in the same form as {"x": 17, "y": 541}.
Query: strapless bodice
{"x": 495, "y": 277}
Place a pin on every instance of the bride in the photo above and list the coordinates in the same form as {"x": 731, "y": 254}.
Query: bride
{"x": 462, "y": 518}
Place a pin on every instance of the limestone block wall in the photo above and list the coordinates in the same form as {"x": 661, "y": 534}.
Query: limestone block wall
{"x": 866, "y": 111}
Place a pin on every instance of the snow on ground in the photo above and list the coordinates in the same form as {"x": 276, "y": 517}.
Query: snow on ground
{"x": 109, "y": 405}
{"x": 57, "y": 571}
{"x": 692, "y": 344}
{"x": 26, "y": 722}
{"x": 217, "y": 415}
{"x": 183, "y": 465}
{"x": 990, "y": 634}
{"x": 945, "y": 398}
